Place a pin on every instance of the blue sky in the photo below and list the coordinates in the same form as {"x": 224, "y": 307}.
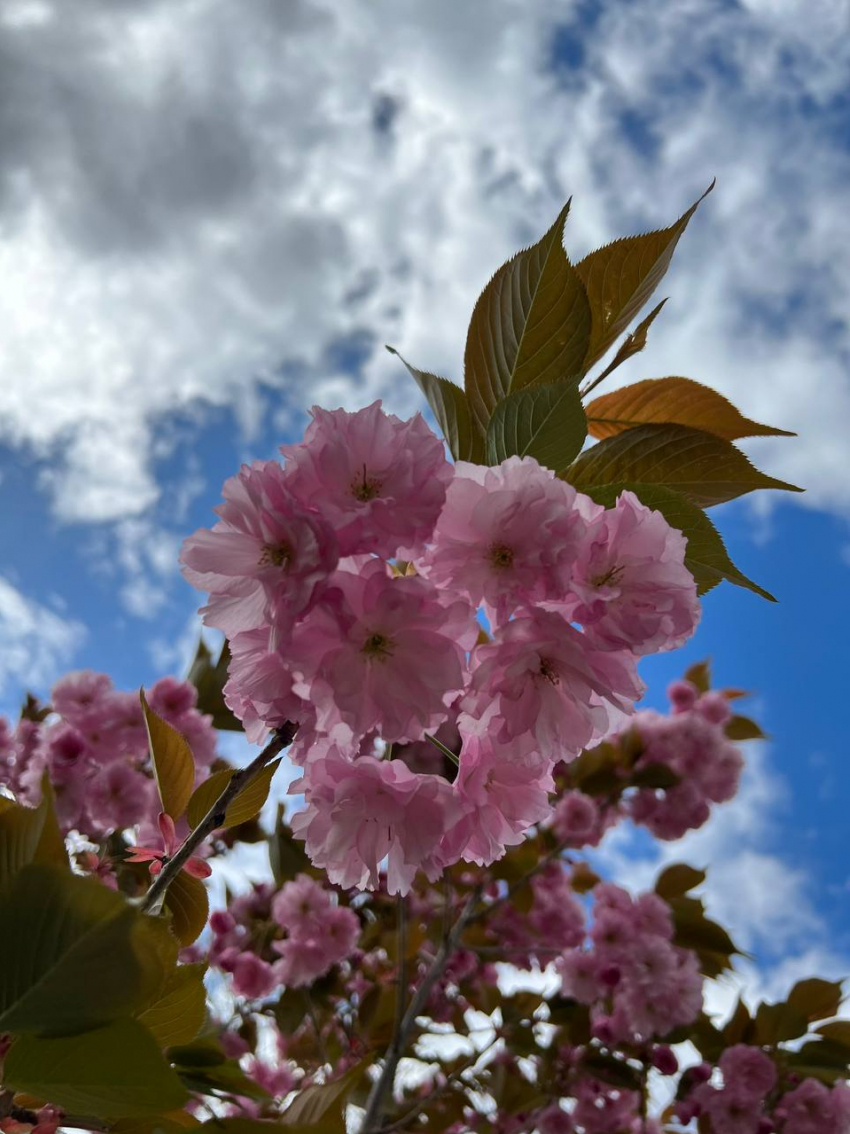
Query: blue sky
{"x": 212, "y": 217}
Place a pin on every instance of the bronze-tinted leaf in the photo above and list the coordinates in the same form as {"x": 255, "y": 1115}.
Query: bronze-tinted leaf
{"x": 544, "y": 422}
{"x": 631, "y": 345}
{"x": 706, "y": 556}
{"x": 678, "y": 879}
{"x": 817, "y": 999}
{"x": 172, "y": 761}
{"x": 742, "y": 728}
{"x": 178, "y": 1013}
{"x": 621, "y": 277}
{"x": 705, "y": 469}
{"x": 464, "y": 437}
{"x": 672, "y": 401}
{"x": 187, "y": 901}
{"x": 530, "y": 326}
{"x": 247, "y": 804}
{"x": 699, "y": 675}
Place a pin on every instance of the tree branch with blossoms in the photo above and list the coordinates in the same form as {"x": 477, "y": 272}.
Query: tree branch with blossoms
{"x": 153, "y": 898}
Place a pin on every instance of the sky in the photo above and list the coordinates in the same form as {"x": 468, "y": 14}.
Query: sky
{"x": 214, "y": 215}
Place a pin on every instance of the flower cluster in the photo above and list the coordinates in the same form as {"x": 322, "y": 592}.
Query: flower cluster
{"x": 288, "y": 938}
{"x": 638, "y": 983}
{"x": 353, "y": 582}
{"x": 94, "y": 748}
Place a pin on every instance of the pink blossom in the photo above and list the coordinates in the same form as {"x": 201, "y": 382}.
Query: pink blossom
{"x": 576, "y": 818}
{"x": 264, "y": 559}
{"x": 300, "y": 905}
{"x": 76, "y": 694}
{"x": 813, "y": 1108}
{"x": 632, "y": 588}
{"x": 157, "y": 857}
{"x": 253, "y": 977}
{"x": 359, "y": 813}
{"x": 260, "y": 689}
{"x": 383, "y": 653}
{"x": 117, "y": 796}
{"x": 541, "y": 677}
{"x": 379, "y": 481}
{"x": 748, "y": 1073}
{"x": 508, "y": 535}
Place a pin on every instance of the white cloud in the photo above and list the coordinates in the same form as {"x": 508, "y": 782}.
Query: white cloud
{"x": 195, "y": 195}
{"x": 37, "y": 642}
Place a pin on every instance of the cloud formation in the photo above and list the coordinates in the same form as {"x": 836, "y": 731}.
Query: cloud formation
{"x": 200, "y": 199}
{"x": 38, "y": 643}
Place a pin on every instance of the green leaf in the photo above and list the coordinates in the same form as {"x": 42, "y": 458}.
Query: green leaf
{"x": 247, "y": 804}
{"x": 678, "y": 879}
{"x": 209, "y": 678}
{"x": 838, "y": 1032}
{"x": 631, "y": 345}
{"x": 74, "y": 955}
{"x": 655, "y": 776}
{"x": 448, "y": 403}
{"x": 816, "y": 999}
{"x": 544, "y": 422}
{"x": 739, "y": 1025}
{"x": 172, "y": 762}
{"x": 113, "y": 1072}
{"x": 820, "y": 1059}
{"x": 672, "y": 401}
{"x": 778, "y": 1023}
{"x": 621, "y": 277}
{"x": 699, "y": 675}
{"x": 705, "y": 469}
{"x": 324, "y": 1103}
{"x": 178, "y": 1013}
{"x": 187, "y": 901}
{"x": 742, "y": 728}
{"x": 530, "y": 326}
{"x": 706, "y": 556}
{"x": 693, "y": 930}
{"x": 27, "y": 834}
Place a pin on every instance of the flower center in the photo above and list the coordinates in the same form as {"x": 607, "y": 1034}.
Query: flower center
{"x": 377, "y": 646}
{"x": 548, "y": 671}
{"x": 365, "y": 488}
{"x": 276, "y": 555}
{"x": 501, "y": 556}
{"x": 610, "y": 576}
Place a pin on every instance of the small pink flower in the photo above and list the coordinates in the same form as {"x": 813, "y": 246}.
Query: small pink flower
{"x": 253, "y": 977}
{"x": 379, "y": 481}
{"x": 157, "y": 857}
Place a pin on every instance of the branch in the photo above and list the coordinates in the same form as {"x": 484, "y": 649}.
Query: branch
{"x": 214, "y": 818}
{"x": 401, "y": 1035}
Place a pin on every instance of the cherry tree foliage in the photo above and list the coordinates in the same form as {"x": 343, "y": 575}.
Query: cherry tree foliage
{"x": 442, "y": 636}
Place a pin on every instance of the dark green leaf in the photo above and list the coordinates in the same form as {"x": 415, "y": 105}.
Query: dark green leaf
{"x": 448, "y": 403}
{"x": 778, "y": 1023}
{"x": 324, "y": 1103}
{"x": 655, "y": 776}
{"x": 621, "y": 277}
{"x": 530, "y": 326}
{"x": 742, "y": 728}
{"x": 705, "y": 469}
{"x": 209, "y": 678}
{"x": 816, "y": 999}
{"x": 113, "y": 1072}
{"x": 678, "y": 879}
{"x": 544, "y": 422}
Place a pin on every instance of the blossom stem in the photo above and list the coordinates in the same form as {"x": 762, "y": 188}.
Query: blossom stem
{"x": 401, "y": 1034}
{"x": 214, "y": 818}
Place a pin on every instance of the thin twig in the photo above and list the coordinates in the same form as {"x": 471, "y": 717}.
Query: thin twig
{"x": 214, "y": 818}
{"x": 314, "y": 1020}
{"x": 401, "y": 967}
{"x": 401, "y": 1034}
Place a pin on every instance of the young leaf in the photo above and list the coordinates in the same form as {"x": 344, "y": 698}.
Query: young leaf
{"x": 706, "y": 469}
{"x": 742, "y": 728}
{"x": 74, "y": 955}
{"x": 464, "y": 437}
{"x": 621, "y": 277}
{"x": 178, "y": 1013}
{"x": 530, "y": 326}
{"x": 113, "y": 1072}
{"x": 544, "y": 422}
{"x": 632, "y": 344}
{"x": 705, "y": 556}
{"x": 699, "y": 675}
{"x": 209, "y": 678}
{"x": 672, "y": 401}
{"x": 172, "y": 762}
{"x": 187, "y": 901}
{"x": 248, "y": 803}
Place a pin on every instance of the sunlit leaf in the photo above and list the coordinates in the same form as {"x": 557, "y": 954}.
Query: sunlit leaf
{"x": 172, "y": 761}
{"x": 113, "y": 1072}
{"x": 187, "y": 901}
{"x": 178, "y": 1013}
{"x": 544, "y": 422}
{"x": 705, "y": 469}
{"x": 247, "y": 804}
{"x": 464, "y": 437}
{"x": 706, "y": 556}
{"x": 74, "y": 955}
{"x": 621, "y": 277}
{"x": 530, "y": 326}
{"x": 672, "y": 401}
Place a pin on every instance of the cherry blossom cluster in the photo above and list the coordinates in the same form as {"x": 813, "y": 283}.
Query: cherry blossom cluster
{"x": 300, "y": 923}
{"x": 638, "y": 983}
{"x": 354, "y": 583}
{"x": 743, "y": 1099}
{"x": 94, "y": 748}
